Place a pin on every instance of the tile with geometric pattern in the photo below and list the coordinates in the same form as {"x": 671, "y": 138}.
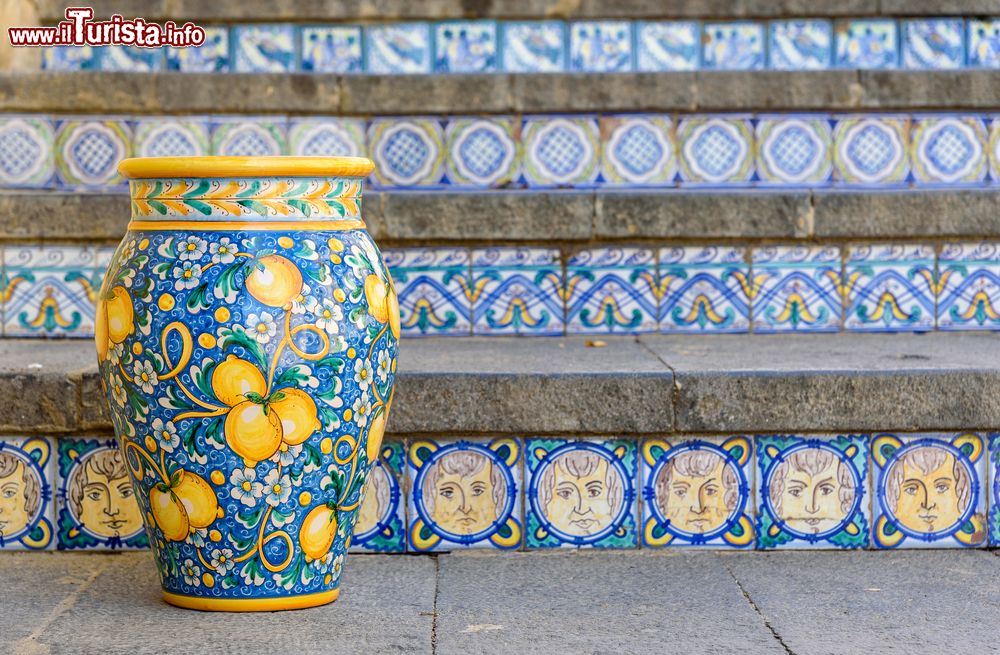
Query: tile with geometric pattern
{"x": 517, "y": 291}
{"x": 49, "y": 291}
{"x": 408, "y": 152}
{"x": 434, "y": 290}
{"x": 482, "y": 152}
{"x": 611, "y": 290}
{"x": 968, "y": 295}
{"x": 796, "y": 289}
{"x": 704, "y": 289}
{"x": 560, "y": 150}
{"x": 88, "y": 149}
{"x": 638, "y": 150}
{"x": 889, "y": 288}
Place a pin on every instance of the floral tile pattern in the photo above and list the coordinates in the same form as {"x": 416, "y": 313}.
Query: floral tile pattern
{"x": 26, "y": 151}
{"x": 794, "y": 150}
{"x": 398, "y": 49}
{"x": 243, "y": 136}
{"x": 465, "y": 47}
{"x": 434, "y": 289}
{"x": 517, "y": 291}
{"x": 933, "y": 43}
{"x": 534, "y": 46}
{"x": 871, "y": 150}
{"x": 27, "y": 478}
{"x": 264, "y": 48}
{"x": 637, "y": 150}
{"x": 332, "y": 49}
{"x": 866, "y": 44}
{"x": 381, "y": 521}
{"x": 560, "y": 151}
{"x": 667, "y": 46}
{"x": 949, "y": 150}
{"x": 734, "y": 46}
{"x": 716, "y": 150}
{"x": 482, "y": 152}
{"x": 704, "y": 289}
{"x": 611, "y": 290}
{"x": 969, "y": 287}
{"x": 889, "y": 288}
{"x": 601, "y": 47}
{"x": 407, "y": 153}
{"x": 49, "y": 290}
{"x": 800, "y": 45}
{"x": 87, "y": 152}
{"x": 796, "y": 288}
{"x": 185, "y": 136}
{"x": 323, "y": 137}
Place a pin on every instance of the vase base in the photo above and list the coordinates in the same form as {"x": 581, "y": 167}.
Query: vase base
{"x": 251, "y": 604}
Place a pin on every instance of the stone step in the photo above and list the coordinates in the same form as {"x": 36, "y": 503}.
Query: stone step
{"x": 624, "y": 386}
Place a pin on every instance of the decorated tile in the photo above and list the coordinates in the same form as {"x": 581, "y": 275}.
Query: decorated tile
{"x": 716, "y": 150}
{"x": 933, "y": 43}
{"x": 929, "y": 490}
{"x": 600, "y": 46}
{"x": 611, "y": 291}
{"x": 318, "y": 136}
{"x": 465, "y": 47}
{"x": 26, "y": 144}
{"x": 637, "y": 150}
{"x": 949, "y": 150}
{"x": 984, "y": 43}
{"x": 871, "y": 150}
{"x": 697, "y": 492}
{"x": 96, "y": 506}
{"x": 667, "y": 46}
{"x": 434, "y": 290}
{"x": 169, "y": 136}
{"x": 212, "y": 56}
{"x": 794, "y": 150}
{"x": 70, "y": 58}
{"x": 560, "y": 150}
{"x": 482, "y": 152}
{"x": 246, "y": 136}
{"x": 969, "y": 286}
{"x": 88, "y": 150}
{"x": 812, "y": 492}
{"x": 403, "y": 48}
{"x": 800, "y": 44}
{"x": 704, "y": 289}
{"x": 380, "y": 524}
{"x": 580, "y": 493}
{"x": 332, "y": 49}
{"x": 866, "y": 44}
{"x": 263, "y": 48}
{"x": 132, "y": 59}
{"x": 796, "y": 289}
{"x": 889, "y": 288}
{"x": 534, "y": 46}
{"x": 993, "y": 469}
{"x": 408, "y": 152}
{"x": 27, "y": 513}
{"x": 49, "y": 291}
{"x": 733, "y": 46}
{"x": 517, "y": 291}
{"x": 465, "y": 494}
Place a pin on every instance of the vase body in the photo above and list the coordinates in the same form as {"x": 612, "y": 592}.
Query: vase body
{"x": 247, "y": 332}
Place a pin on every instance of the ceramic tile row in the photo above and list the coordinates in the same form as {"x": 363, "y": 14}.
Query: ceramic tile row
{"x": 554, "y": 151}
{"x": 557, "y": 46}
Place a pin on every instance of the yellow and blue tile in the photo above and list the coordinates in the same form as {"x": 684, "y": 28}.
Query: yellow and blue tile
{"x": 408, "y": 152}
{"x": 71, "y": 58}
{"x": 318, "y": 136}
{"x": 131, "y": 59}
{"x": 400, "y": 49}
{"x": 517, "y": 291}
{"x": 949, "y": 150}
{"x": 667, "y": 46}
{"x": 611, "y": 290}
{"x": 968, "y": 290}
{"x": 804, "y": 44}
{"x": 796, "y": 289}
{"x": 638, "y": 150}
{"x": 734, "y": 46}
{"x": 866, "y": 44}
{"x": 871, "y": 150}
{"x": 212, "y": 56}
{"x": 993, "y": 481}
{"x": 465, "y": 47}
{"x": 600, "y": 46}
{"x": 264, "y": 48}
{"x": 26, "y": 480}
{"x": 380, "y": 524}
{"x": 794, "y": 150}
{"x": 533, "y": 46}
{"x": 933, "y": 43}
{"x": 88, "y": 149}
{"x": 49, "y": 291}
{"x": 434, "y": 287}
{"x": 984, "y": 43}
{"x": 716, "y": 150}
{"x": 704, "y": 289}
{"x": 560, "y": 151}
{"x": 172, "y": 136}
{"x": 482, "y": 152}
{"x": 889, "y": 288}
{"x": 249, "y": 136}
{"x": 27, "y": 146}
{"x": 332, "y": 49}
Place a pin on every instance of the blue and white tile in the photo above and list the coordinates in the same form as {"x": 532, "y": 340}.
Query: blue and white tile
{"x": 465, "y": 494}
{"x": 248, "y": 136}
{"x": 949, "y": 150}
{"x": 580, "y": 493}
{"x": 611, "y": 290}
{"x": 131, "y": 59}
{"x": 667, "y": 46}
{"x": 408, "y": 152}
{"x": 993, "y": 482}
{"x": 264, "y": 48}
{"x": 638, "y": 150}
{"x": 404, "y": 48}
{"x": 796, "y": 289}
{"x": 929, "y": 490}
{"x": 993, "y": 147}
{"x": 71, "y": 58}
{"x": 871, "y": 150}
{"x": 533, "y": 46}
{"x": 318, "y": 136}
{"x": 734, "y": 46}
{"x": 866, "y": 44}
{"x": 88, "y": 149}
{"x": 434, "y": 289}
{"x": 172, "y": 136}
{"x": 380, "y": 524}
{"x": 716, "y": 150}
{"x": 27, "y": 469}
{"x": 50, "y": 291}
{"x": 465, "y": 47}
{"x": 794, "y": 150}
{"x": 212, "y": 56}
{"x": 26, "y": 147}
{"x": 560, "y": 150}
{"x": 517, "y": 291}
{"x": 482, "y": 152}
{"x": 601, "y": 46}
{"x": 933, "y": 43}
{"x": 800, "y": 44}
{"x": 332, "y": 49}
{"x": 969, "y": 286}
{"x": 889, "y": 288}
{"x": 704, "y": 289}
{"x": 984, "y": 43}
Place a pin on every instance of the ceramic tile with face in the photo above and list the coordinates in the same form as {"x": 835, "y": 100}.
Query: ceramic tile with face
{"x": 871, "y": 150}
{"x": 929, "y": 490}
{"x": 866, "y": 44}
{"x": 667, "y": 46}
{"x": 601, "y": 46}
{"x": 380, "y": 525}
{"x": 797, "y": 289}
{"x": 933, "y": 43}
{"x": 812, "y": 492}
{"x": 733, "y": 46}
{"x": 132, "y": 59}
{"x": 169, "y": 136}
{"x": 794, "y": 150}
{"x": 27, "y": 513}
{"x": 88, "y": 149}
{"x": 704, "y": 289}
{"x": 561, "y": 150}
{"x": 212, "y": 56}
{"x": 70, "y": 58}
{"x": 247, "y": 136}
{"x": 889, "y": 288}
{"x": 26, "y": 145}
{"x": 716, "y": 150}
{"x": 517, "y": 291}
{"x": 533, "y": 46}
{"x": 638, "y": 150}
{"x": 969, "y": 286}
{"x": 49, "y": 290}
{"x": 404, "y": 48}
{"x": 984, "y": 43}
{"x": 949, "y": 150}
{"x": 482, "y": 152}
{"x": 96, "y": 506}
{"x": 332, "y": 49}
{"x": 465, "y": 47}
{"x": 611, "y": 291}
{"x": 580, "y": 493}
{"x": 434, "y": 290}
{"x": 408, "y": 152}
{"x": 318, "y": 136}
{"x": 264, "y": 48}
{"x": 800, "y": 45}
{"x": 697, "y": 492}
{"x": 465, "y": 494}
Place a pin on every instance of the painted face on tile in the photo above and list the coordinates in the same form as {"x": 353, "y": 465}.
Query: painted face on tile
{"x": 20, "y": 495}
{"x": 812, "y": 491}
{"x": 102, "y": 497}
{"x": 697, "y": 491}
{"x": 928, "y": 489}
{"x": 580, "y": 493}
{"x": 463, "y": 493}
{"x": 375, "y": 502}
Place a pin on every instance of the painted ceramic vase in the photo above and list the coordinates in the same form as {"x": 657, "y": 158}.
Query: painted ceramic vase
{"x": 247, "y": 331}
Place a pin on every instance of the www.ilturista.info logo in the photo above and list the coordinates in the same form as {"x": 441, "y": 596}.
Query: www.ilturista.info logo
{"x": 79, "y": 29}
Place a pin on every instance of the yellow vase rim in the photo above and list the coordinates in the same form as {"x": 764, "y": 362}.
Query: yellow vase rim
{"x": 193, "y": 167}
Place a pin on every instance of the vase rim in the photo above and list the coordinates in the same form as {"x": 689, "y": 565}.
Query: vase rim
{"x": 215, "y": 166}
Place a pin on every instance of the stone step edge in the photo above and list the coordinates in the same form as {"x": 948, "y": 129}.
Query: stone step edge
{"x": 399, "y": 218}
{"x": 630, "y": 386}
{"x": 185, "y": 93}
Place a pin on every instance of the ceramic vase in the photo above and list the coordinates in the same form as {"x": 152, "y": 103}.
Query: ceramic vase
{"x": 247, "y": 331}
